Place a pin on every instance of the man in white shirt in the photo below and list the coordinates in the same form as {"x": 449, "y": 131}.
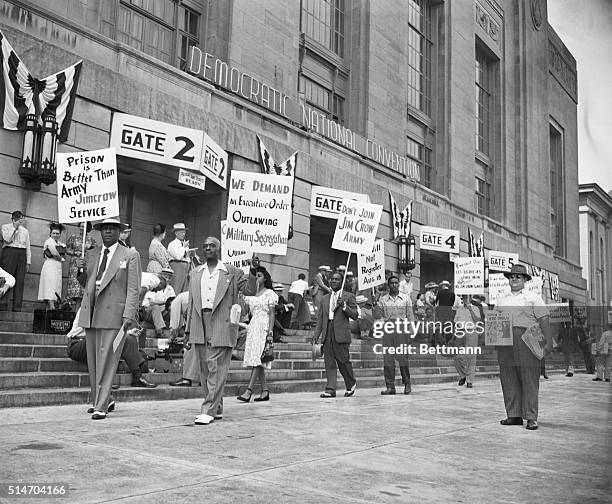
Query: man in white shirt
{"x": 16, "y": 254}
{"x": 301, "y": 313}
{"x": 181, "y": 257}
{"x": 6, "y": 282}
{"x": 154, "y": 304}
{"x": 519, "y": 368}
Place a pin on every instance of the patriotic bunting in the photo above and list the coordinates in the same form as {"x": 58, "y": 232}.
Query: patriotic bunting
{"x": 402, "y": 221}
{"x": 475, "y": 247}
{"x": 267, "y": 162}
{"x": 22, "y": 94}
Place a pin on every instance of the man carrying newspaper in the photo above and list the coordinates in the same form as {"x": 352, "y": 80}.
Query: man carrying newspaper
{"x": 519, "y": 364}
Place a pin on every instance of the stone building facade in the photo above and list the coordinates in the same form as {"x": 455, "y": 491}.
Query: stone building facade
{"x": 467, "y": 108}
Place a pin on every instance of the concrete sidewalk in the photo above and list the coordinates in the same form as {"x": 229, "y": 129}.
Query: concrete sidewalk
{"x": 441, "y": 444}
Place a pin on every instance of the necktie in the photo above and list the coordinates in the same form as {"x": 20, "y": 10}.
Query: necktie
{"x": 334, "y": 300}
{"x": 102, "y": 266}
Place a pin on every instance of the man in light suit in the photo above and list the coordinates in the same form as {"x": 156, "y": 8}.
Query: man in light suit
{"x": 333, "y": 327}
{"x": 111, "y": 282}
{"x": 213, "y": 289}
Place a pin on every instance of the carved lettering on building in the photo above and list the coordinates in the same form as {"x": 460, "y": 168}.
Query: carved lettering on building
{"x": 487, "y": 23}
{"x": 561, "y": 69}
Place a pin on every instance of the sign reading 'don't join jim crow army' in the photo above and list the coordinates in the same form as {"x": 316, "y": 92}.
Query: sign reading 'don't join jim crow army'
{"x": 357, "y": 226}
{"x": 258, "y": 212}
{"x": 87, "y": 186}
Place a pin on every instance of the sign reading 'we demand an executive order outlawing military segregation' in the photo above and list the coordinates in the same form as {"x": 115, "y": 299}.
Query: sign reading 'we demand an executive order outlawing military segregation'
{"x": 87, "y": 186}
{"x": 259, "y": 212}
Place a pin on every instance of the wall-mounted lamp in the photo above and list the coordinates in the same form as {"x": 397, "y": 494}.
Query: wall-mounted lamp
{"x": 406, "y": 253}
{"x": 486, "y": 273}
{"x": 39, "y": 149}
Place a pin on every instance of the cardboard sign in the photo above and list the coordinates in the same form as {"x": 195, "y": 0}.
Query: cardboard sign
{"x": 258, "y": 212}
{"x": 499, "y": 287}
{"x": 214, "y": 162}
{"x": 440, "y": 239}
{"x": 498, "y": 330}
{"x": 371, "y": 267}
{"x": 501, "y": 261}
{"x": 559, "y": 312}
{"x": 357, "y": 226}
{"x": 327, "y": 202}
{"x": 192, "y": 179}
{"x": 87, "y": 186}
{"x": 156, "y": 141}
{"x": 238, "y": 258}
{"x": 469, "y": 275}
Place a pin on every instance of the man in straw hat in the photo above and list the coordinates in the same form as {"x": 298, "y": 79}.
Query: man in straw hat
{"x": 181, "y": 257}
{"x": 519, "y": 368}
{"x": 111, "y": 283}
{"x": 320, "y": 285}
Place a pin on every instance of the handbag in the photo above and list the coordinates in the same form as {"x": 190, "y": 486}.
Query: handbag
{"x": 268, "y": 352}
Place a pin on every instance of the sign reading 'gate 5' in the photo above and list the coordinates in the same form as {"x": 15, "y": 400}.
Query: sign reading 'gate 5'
{"x": 160, "y": 142}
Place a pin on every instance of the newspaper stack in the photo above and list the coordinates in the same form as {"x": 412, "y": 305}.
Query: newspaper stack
{"x": 535, "y": 340}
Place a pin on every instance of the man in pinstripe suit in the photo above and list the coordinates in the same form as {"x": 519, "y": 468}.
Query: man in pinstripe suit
{"x": 213, "y": 289}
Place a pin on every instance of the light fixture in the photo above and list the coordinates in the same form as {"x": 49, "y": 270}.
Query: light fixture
{"x": 486, "y": 273}
{"x": 406, "y": 253}
{"x": 29, "y": 154}
{"x": 46, "y": 167}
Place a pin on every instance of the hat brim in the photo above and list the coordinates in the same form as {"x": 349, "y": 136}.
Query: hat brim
{"x": 317, "y": 351}
{"x": 98, "y": 226}
{"x": 526, "y": 276}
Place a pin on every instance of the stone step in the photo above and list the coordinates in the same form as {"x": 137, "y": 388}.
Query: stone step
{"x": 48, "y": 397}
{"x": 30, "y": 338}
{"x": 10, "y": 316}
{"x": 36, "y": 351}
{"x": 16, "y": 326}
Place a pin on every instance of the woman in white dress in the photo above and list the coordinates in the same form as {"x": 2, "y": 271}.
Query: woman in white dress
{"x": 262, "y": 308}
{"x": 51, "y": 272}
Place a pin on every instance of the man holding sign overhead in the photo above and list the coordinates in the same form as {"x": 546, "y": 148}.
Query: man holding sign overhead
{"x": 111, "y": 282}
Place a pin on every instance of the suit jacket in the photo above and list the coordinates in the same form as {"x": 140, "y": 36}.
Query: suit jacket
{"x": 118, "y": 295}
{"x": 342, "y": 329}
{"x": 228, "y": 288}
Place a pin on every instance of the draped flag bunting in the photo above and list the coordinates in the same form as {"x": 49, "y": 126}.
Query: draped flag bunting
{"x": 402, "y": 221}
{"x": 475, "y": 247}
{"x": 267, "y": 162}
{"x": 22, "y": 94}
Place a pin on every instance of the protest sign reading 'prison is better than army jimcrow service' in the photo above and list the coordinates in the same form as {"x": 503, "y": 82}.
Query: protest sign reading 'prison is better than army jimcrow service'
{"x": 87, "y": 186}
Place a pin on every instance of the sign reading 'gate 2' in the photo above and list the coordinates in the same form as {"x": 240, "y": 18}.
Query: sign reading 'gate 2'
{"x": 440, "y": 239}
{"x": 141, "y": 138}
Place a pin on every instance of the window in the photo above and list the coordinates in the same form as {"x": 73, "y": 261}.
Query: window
{"x": 557, "y": 192}
{"x": 164, "y": 29}
{"x": 484, "y": 87}
{"x": 422, "y": 155}
{"x": 323, "y": 99}
{"x": 591, "y": 266}
{"x": 420, "y": 49}
{"x": 323, "y": 22}
{"x": 483, "y": 197}
{"x": 602, "y": 273}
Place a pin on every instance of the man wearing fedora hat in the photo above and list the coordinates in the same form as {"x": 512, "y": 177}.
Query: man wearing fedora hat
{"x": 111, "y": 281}
{"x": 320, "y": 285}
{"x": 181, "y": 256}
{"x": 519, "y": 368}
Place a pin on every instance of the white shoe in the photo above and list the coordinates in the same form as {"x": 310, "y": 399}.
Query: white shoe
{"x": 204, "y": 419}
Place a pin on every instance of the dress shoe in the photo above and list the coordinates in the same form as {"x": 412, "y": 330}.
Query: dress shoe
{"x": 350, "y": 392}
{"x": 203, "y": 419}
{"x": 142, "y": 382}
{"x": 597, "y": 379}
{"x": 389, "y": 391}
{"x": 111, "y": 406}
{"x": 115, "y": 386}
{"x": 327, "y": 395}
{"x": 265, "y": 396}
{"x": 407, "y": 388}
{"x": 531, "y": 425}
{"x": 98, "y": 415}
{"x": 469, "y": 385}
{"x": 218, "y": 417}
{"x": 512, "y": 421}
{"x": 244, "y": 397}
{"x": 461, "y": 382}
{"x": 569, "y": 374}
{"x": 183, "y": 382}
{"x": 546, "y": 376}
{"x": 90, "y": 410}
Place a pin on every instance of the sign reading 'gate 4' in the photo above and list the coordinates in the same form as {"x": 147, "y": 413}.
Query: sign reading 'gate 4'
{"x": 440, "y": 239}
{"x": 141, "y": 138}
